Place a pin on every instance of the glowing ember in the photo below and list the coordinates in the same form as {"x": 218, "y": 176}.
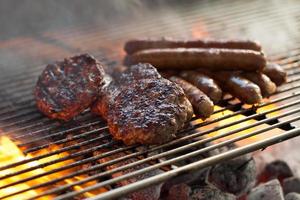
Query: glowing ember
{"x": 10, "y": 153}
{"x": 237, "y": 126}
{"x": 199, "y": 30}
{"x": 268, "y": 107}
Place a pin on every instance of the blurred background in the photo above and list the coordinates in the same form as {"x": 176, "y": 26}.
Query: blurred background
{"x": 37, "y": 32}
{"x": 30, "y": 17}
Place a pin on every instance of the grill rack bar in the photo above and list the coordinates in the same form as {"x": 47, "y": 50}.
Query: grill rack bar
{"x": 207, "y": 132}
{"x": 279, "y": 91}
{"x": 59, "y": 133}
{"x": 65, "y": 149}
{"x": 7, "y": 125}
{"x": 225, "y": 108}
{"x": 53, "y": 121}
{"x": 201, "y": 124}
{"x": 34, "y": 75}
{"x": 77, "y": 163}
{"x": 29, "y": 111}
{"x": 43, "y": 121}
{"x": 196, "y": 165}
{"x": 287, "y": 89}
{"x": 185, "y": 147}
{"x": 104, "y": 128}
{"x": 152, "y": 167}
{"x": 26, "y": 87}
{"x": 38, "y": 68}
{"x": 62, "y": 141}
{"x": 88, "y": 120}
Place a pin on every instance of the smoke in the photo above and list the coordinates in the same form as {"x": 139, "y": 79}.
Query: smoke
{"x": 30, "y": 17}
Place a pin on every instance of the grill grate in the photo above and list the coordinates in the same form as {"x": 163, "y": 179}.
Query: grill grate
{"x": 273, "y": 121}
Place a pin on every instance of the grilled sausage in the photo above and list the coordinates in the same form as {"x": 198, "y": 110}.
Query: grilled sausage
{"x": 239, "y": 87}
{"x": 204, "y": 83}
{"x": 202, "y": 105}
{"x": 193, "y": 58}
{"x": 267, "y": 87}
{"x": 136, "y": 45}
{"x": 275, "y": 73}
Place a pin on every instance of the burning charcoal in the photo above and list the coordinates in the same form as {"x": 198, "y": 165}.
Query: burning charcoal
{"x": 192, "y": 178}
{"x": 276, "y": 169}
{"x": 291, "y": 185}
{"x": 236, "y": 176}
{"x": 88, "y": 166}
{"x": 197, "y": 177}
{"x": 267, "y": 191}
{"x": 207, "y": 192}
{"x": 189, "y": 150}
{"x": 180, "y": 191}
{"x": 292, "y": 196}
{"x": 149, "y": 193}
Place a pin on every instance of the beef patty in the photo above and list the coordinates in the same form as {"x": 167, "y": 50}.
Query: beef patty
{"x": 147, "y": 109}
{"x": 66, "y": 88}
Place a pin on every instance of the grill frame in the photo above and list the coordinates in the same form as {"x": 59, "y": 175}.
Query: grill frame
{"x": 16, "y": 117}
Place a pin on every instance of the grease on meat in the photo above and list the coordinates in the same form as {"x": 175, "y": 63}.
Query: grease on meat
{"x": 68, "y": 87}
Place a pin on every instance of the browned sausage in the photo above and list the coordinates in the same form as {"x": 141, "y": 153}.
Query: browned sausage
{"x": 275, "y": 73}
{"x": 204, "y": 83}
{"x": 197, "y": 58}
{"x": 202, "y": 105}
{"x": 136, "y": 45}
{"x": 267, "y": 87}
{"x": 239, "y": 87}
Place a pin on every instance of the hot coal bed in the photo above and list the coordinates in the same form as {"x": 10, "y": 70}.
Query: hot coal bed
{"x": 209, "y": 159}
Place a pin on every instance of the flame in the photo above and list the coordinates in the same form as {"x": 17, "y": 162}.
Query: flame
{"x": 198, "y": 30}
{"x": 10, "y": 153}
{"x": 268, "y": 107}
{"x": 239, "y": 125}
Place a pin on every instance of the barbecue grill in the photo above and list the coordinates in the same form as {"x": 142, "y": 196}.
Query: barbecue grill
{"x": 275, "y": 23}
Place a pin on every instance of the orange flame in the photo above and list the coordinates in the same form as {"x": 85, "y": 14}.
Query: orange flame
{"x": 199, "y": 30}
{"x": 239, "y": 125}
{"x": 10, "y": 153}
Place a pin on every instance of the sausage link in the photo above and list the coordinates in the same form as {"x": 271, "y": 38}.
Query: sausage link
{"x": 136, "y": 45}
{"x": 237, "y": 86}
{"x": 202, "y": 105}
{"x": 275, "y": 73}
{"x": 193, "y": 58}
{"x": 267, "y": 87}
{"x": 204, "y": 83}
